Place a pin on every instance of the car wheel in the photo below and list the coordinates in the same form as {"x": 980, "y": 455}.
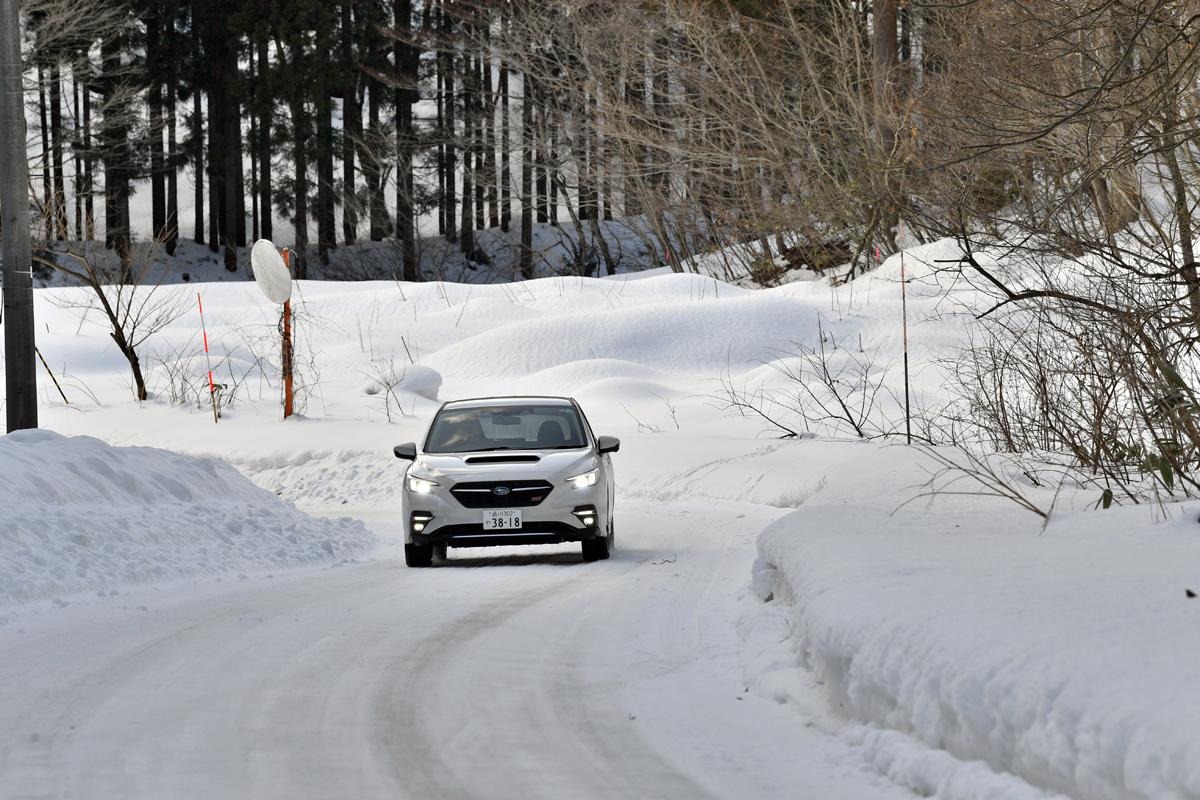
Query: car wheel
{"x": 595, "y": 549}
{"x": 418, "y": 555}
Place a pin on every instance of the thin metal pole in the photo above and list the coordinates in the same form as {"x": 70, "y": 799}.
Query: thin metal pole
{"x": 904, "y": 312}
{"x": 20, "y": 366}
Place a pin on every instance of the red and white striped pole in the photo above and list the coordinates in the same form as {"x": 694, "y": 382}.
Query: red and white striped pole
{"x": 212, "y": 388}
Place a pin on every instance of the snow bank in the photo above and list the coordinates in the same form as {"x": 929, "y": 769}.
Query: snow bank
{"x": 78, "y": 515}
{"x": 1066, "y": 657}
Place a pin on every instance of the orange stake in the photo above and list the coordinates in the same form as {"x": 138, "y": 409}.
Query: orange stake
{"x": 212, "y": 388}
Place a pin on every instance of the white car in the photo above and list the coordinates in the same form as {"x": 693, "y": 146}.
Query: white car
{"x": 504, "y": 471}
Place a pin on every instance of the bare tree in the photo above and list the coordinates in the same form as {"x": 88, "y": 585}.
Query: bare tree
{"x": 135, "y": 308}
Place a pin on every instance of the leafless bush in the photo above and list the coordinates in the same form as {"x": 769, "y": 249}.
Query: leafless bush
{"x": 1110, "y": 401}
{"x": 962, "y": 472}
{"x": 183, "y": 377}
{"x": 386, "y": 375}
{"x": 135, "y": 309}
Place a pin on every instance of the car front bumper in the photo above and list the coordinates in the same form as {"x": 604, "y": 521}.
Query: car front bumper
{"x": 557, "y": 519}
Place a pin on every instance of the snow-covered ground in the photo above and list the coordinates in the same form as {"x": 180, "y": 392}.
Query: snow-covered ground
{"x": 954, "y": 648}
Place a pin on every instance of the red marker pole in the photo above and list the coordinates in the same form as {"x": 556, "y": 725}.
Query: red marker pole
{"x": 212, "y": 388}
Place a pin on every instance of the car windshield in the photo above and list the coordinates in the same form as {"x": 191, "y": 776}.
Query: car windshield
{"x": 506, "y": 427}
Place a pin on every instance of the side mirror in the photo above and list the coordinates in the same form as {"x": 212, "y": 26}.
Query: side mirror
{"x": 407, "y": 451}
{"x": 607, "y": 444}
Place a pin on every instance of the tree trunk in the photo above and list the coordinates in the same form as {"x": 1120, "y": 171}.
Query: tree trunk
{"x": 541, "y": 167}
{"x": 255, "y": 235}
{"x": 406, "y": 59}
{"x": 56, "y": 148}
{"x": 467, "y": 235}
{"x": 256, "y": 81}
{"x": 78, "y": 182}
{"x": 441, "y": 149}
{"x": 1181, "y": 206}
{"x": 448, "y": 131}
{"x": 372, "y": 165}
{"x": 585, "y": 161}
{"x": 326, "y": 233}
{"x": 300, "y": 160}
{"x": 477, "y": 146}
{"x": 47, "y": 184}
{"x": 89, "y": 202}
{"x": 505, "y": 156}
{"x": 553, "y": 178}
{"x": 154, "y": 103}
{"x": 115, "y": 146}
{"x": 216, "y": 175}
{"x": 489, "y": 140}
{"x": 197, "y": 131}
{"x": 266, "y": 197}
{"x": 172, "y": 234}
{"x": 233, "y": 224}
{"x": 351, "y": 125}
{"x": 527, "y": 210}
{"x": 635, "y": 98}
{"x": 883, "y": 47}
{"x": 661, "y": 98}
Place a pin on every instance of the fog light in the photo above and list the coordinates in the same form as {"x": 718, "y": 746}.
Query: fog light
{"x": 419, "y": 520}
{"x": 586, "y": 515}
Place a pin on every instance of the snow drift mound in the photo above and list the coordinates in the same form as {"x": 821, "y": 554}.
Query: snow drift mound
{"x": 697, "y": 335}
{"x": 78, "y": 515}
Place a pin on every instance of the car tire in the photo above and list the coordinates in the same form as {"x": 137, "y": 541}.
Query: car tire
{"x": 595, "y": 549}
{"x": 418, "y": 555}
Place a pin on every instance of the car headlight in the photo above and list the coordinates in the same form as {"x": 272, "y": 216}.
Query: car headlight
{"x": 586, "y": 479}
{"x": 421, "y": 485}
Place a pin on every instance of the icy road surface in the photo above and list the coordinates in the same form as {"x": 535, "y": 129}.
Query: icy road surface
{"x": 504, "y": 674}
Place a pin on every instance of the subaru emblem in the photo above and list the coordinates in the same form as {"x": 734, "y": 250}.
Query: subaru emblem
{"x": 500, "y": 491}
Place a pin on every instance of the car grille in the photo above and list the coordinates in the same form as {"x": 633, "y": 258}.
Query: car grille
{"x": 483, "y": 494}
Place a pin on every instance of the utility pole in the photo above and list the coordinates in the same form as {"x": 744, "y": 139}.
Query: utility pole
{"x": 19, "y": 365}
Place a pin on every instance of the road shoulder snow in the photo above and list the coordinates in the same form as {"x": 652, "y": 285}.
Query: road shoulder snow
{"x": 1062, "y": 659}
{"x": 79, "y": 517}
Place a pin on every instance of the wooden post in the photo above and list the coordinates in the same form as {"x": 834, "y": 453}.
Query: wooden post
{"x": 20, "y": 367}
{"x": 287, "y": 347}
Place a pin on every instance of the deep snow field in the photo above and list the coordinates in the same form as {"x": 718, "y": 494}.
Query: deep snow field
{"x": 782, "y": 618}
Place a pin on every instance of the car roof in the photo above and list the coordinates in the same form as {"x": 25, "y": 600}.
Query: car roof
{"x": 476, "y": 402}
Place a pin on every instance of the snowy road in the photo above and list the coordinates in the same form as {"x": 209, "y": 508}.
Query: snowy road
{"x": 499, "y": 675}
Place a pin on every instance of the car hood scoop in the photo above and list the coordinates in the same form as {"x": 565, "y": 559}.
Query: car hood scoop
{"x": 503, "y": 459}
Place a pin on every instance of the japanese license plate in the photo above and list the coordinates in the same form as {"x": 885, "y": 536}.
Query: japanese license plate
{"x": 508, "y": 519}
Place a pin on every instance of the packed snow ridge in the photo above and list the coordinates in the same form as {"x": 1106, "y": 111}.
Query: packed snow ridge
{"x": 1064, "y": 657}
{"x": 78, "y": 515}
